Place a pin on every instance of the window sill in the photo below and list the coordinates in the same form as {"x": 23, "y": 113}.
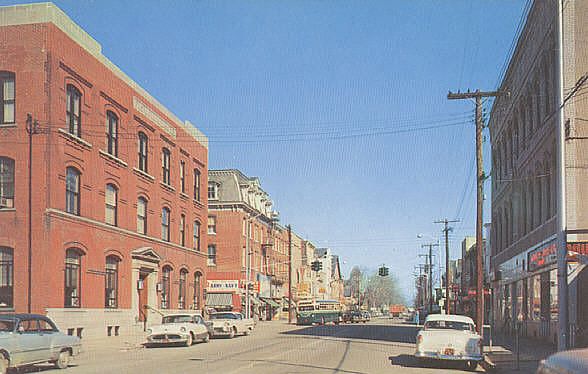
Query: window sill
{"x": 7, "y": 210}
{"x": 110, "y": 157}
{"x": 184, "y": 196}
{"x": 198, "y": 203}
{"x": 74, "y": 138}
{"x": 167, "y": 187}
{"x": 143, "y": 174}
{"x": 7, "y": 126}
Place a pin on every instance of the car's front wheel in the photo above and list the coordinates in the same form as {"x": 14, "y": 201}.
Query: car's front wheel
{"x": 233, "y": 332}
{"x": 471, "y": 365}
{"x": 189, "y": 340}
{"x": 62, "y": 360}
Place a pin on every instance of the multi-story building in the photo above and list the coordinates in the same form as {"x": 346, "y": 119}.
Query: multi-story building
{"x": 100, "y": 223}
{"x": 524, "y": 157}
{"x": 327, "y": 283}
{"x": 468, "y": 276}
{"x": 245, "y": 243}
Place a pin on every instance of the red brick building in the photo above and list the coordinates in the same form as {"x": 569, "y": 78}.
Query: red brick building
{"x": 118, "y": 197}
{"x": 241, "y": 216}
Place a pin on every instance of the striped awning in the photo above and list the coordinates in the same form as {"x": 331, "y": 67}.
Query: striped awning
{"x": 270, "y": 302}
{"x": 219, "y": 299}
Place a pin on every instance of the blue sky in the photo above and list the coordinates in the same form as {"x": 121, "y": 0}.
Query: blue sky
{"x": 339, "y": 107}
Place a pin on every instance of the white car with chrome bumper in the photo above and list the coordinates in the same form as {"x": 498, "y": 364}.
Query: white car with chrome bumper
{"x": 230, "y": 324}
{"x": 451, "y": 338}
{"x": 182, "y": 328}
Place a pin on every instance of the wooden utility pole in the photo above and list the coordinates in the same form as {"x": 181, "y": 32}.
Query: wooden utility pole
{"x": 289, "y": 274}
{"x": 32, "y": 128}
{"x": 446, "y": 230}
{"x": 478, "y": 95}
{"x": 430, "y": 271}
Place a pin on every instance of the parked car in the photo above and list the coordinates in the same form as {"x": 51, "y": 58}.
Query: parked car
{"x": 449, "y": 337}
{"x": 356, "y": 316}
{"x": 569, "y": 362}
{"x": 27, "y": 339}
{"x": 230, "y": 324}
{"x": 346, "y": 317}
{"x": 366, "y": 316}
{"x": 182, "y": 328}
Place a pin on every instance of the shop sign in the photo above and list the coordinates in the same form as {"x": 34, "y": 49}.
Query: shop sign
{"x": 580, "y": 248}
{"x": 223, "y": 285}
{"x": 542, "y": 256}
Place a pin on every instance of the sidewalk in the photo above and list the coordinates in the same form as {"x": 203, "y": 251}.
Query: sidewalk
{"x": 531, "y": 352}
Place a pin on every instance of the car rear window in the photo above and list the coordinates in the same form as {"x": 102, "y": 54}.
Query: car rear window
{"x": 448, "y": 325}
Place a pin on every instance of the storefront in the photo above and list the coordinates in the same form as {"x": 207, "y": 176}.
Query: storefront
{"x": 223, "y": 295}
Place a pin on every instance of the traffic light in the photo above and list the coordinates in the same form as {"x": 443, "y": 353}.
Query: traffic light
{"x": 383, "y": 271}
{"x": 316, "y": 265}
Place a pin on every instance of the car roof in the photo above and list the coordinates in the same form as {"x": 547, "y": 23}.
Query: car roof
{"x": 573, "y": 361}
{"x": 183, "y": 314}
{"x": 19, "y": 316}
{"x": 449, "y": 317}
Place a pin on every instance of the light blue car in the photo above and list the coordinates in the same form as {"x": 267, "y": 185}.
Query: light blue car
{"x": 27, "y": 339}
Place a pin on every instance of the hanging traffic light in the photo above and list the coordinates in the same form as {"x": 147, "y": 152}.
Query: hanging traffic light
{"x": 383, "y": 271}
{"x": 316, "y": 265}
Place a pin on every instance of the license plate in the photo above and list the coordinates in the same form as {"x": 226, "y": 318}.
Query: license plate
{"x": 449, "y": 351}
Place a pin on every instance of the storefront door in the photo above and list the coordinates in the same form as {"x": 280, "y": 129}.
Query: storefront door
{"x": 143, "y": 291}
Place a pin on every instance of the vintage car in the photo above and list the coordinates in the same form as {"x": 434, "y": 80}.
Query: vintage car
{"x": 366, "y": 316}
{"x": 567, "y": 362}
{"x": 27, "y": 339}
{"x": 230, "y": 324}
{"x": 449, "y": 337}
{"x": 181, "y": 328}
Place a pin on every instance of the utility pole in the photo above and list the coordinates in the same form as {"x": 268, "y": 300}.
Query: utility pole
{"x": 32, "y": 129}
{"x": 430, "y": 270}
{"x": 446, "y": 230}
{"x": 247, "y": 269}
{"x": 562, "y": 267}
{"x": 478, "y": 95}
{"x": 289, "y": 274}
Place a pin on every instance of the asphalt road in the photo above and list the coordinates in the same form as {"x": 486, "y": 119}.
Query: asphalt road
{"x": 380, "y": 346}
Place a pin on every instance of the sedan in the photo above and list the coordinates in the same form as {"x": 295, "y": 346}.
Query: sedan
{"x": 184, "y": 328}
{"x": 27, "y": 339}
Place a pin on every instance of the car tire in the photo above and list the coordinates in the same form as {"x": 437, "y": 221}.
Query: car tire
{"x": 62, "y": 360}
{"x": 232, "y": 333}
{"x": 471, "y": 365}
{"x": 3, "y": 365}
{"x": 247, "y": 332}
{"x": 189, "y": 340}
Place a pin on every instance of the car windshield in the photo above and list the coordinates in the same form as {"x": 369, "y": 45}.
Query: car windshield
{"x": 177, "y": 319}
{"x": 448, "y": 325}
{"x": 6, "y": 325}
{"x": 223, "y": 316}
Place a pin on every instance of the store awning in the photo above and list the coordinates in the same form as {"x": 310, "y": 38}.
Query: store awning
{"x": 286, "y": 303}
{"x": 219, "y": 299}
{"x": 254, "y": 300}
{"x": 270, "y": 302}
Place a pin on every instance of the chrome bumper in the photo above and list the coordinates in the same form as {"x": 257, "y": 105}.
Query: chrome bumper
{"x": 439, "y": 356}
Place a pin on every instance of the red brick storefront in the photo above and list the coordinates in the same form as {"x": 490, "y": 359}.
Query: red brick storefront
{"x": 109, "y": 241}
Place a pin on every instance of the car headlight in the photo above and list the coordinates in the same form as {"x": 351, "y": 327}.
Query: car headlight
{"x": 149, "y": 331}
{"x": 182, "y": 329}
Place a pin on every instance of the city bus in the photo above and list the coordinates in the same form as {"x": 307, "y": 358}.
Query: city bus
{"x": 310, "y": 312}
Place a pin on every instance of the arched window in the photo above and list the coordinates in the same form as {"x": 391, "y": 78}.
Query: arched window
{"x": 6, "y": 183}
{"x": 142, "y": 215}
{"x": 6, "y": 277}
{"x": 143, "y": 151}
{"x": 111, "y": 286}
{"x": 111, "y": 204}
{"x": 165, "y": 212}
{"x": 73, "y": 273}
{"x": 112, "y": 133}
{"x": 72, "y": 190}
{"x": 197, "y": 287}
{"x": 196, "y": 184}
{"x": 211, "y": 255}
{"x": 165, "y": 286}
{"x": 165, "y": 162}
{"x": 73, "y": 111}
{"x": 196, "y": 234}
{"x": 7, "y": 97}
{"x": 182, "y": 289}
{"x": 183, "y": 176}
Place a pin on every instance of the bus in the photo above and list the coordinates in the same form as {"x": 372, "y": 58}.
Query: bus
{"x": 309, "y": 312}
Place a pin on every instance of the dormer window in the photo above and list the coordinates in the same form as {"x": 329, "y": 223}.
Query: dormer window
{"x": 213, "y": 191}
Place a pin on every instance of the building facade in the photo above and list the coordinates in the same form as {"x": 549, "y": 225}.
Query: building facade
{"x": 246, "y": 241}
{"x": 524, "y": 158}
{"x": 116, "y": 181}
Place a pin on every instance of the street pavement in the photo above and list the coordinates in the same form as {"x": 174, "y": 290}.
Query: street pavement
{"x": 380, "y": 346}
